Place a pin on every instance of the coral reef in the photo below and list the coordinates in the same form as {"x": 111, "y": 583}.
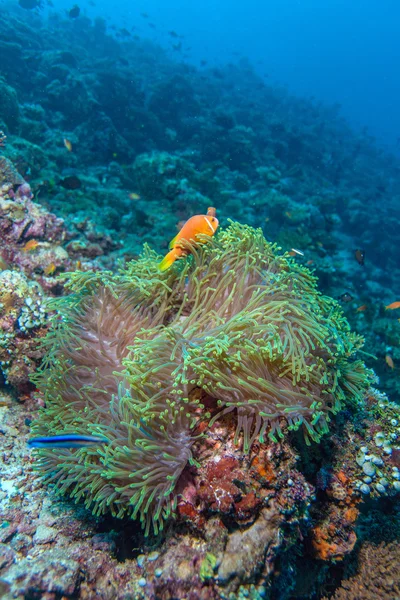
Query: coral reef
{"x": 49, "y": 546}
{"x": 363, "y": 465}
{"x": 292, "y": 166}
{"x": 34, "y": 249}
{"x": 245, "y": 523}
{"x": 22, "y": 220}
{"x": 23, "y": 322}
{"x": 377, "y": 576}
{"x": 207, "y": 380}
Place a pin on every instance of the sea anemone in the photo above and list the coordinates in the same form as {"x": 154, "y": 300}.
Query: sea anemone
{"x": 127, "y": 353}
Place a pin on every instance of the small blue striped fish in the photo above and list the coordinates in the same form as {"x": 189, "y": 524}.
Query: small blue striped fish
{"x": 68, "y": 440}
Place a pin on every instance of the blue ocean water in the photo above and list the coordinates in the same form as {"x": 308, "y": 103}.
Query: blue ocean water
{"x": 336, "y": 51}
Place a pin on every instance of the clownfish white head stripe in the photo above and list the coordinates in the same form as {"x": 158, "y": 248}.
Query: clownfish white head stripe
{"x": 211, "y": 226}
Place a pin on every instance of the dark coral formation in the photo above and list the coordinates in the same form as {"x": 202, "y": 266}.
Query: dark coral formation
{"x": 237, "y": 321}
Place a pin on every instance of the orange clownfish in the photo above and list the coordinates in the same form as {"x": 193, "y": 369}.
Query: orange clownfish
{"x": 199, "y": 224}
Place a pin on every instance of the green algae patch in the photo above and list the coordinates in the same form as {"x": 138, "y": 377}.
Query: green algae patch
{"x": 207, "y": 567}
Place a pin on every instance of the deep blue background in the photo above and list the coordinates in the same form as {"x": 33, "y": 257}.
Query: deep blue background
{"x": 345, "y": 51}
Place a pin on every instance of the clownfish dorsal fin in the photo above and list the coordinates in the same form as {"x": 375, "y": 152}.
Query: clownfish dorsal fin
{"x": 172, "y": 242}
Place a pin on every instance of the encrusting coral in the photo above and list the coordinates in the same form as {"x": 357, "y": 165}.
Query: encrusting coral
{"x": 376, "y": 576}
{"x": 129, "y": 351}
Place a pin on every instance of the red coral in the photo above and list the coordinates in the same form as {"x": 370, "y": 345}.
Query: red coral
{"x": 334, "y": 537}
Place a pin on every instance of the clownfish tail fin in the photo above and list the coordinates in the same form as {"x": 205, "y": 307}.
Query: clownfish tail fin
{"x": 167, "y": 261}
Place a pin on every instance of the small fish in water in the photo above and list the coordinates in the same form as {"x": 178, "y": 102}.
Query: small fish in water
{"x": 68, "y": 440}
{"x": 124, "y": 32}
{"x": 49, "y": 269}
{"x": 360, "y": 256}
{"x": 288, "y": 215}
{"x": 30, "y": 246}
{"x": 345, "y": 297}
{"x": 74, "y": 12}
{"x": 71, "y": 183}
{"x": 309, "y": 263}
{"x": 133, "y": 196}
{"x": 392, "y": 306}
{"x": 67, "y": 144}
{"x": 362, "y": 308}
{"x": 173, "y": 34}
{"x": 294, "y": 252}
{"x": 389, "y": 361}
{"x": 30, "y": 4}
{"x": 199, "y": 224}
